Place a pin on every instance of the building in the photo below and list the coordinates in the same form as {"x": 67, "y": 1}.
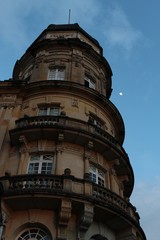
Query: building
{"x": 64, "y": 172}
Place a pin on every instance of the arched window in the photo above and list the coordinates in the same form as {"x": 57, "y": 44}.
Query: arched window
{"x": 34, "y": 234}
{"x": 98, "y": 237}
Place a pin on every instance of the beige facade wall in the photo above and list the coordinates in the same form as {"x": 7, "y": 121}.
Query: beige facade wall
{"x": 84, "y": 138}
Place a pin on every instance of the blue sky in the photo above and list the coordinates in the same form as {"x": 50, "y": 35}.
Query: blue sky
{"x": 129, "y": 34}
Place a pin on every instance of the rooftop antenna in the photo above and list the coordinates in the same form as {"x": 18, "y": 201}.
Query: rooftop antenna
{"x": 69, "y": 16}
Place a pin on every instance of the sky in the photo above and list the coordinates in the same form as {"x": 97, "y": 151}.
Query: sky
{"x": 130, "y": 37}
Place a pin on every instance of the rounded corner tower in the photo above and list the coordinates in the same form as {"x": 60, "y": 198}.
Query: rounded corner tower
{"x": 64, "y": 172}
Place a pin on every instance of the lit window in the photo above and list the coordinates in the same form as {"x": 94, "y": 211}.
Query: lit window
{"x": 34, "y": 233}
{"x": 40, "y": 164}
{"x": 89, "y": 82}
{"x": 53, "y": 111}
{"x": 97, "y": 175}
{"x": 56, "y": 74}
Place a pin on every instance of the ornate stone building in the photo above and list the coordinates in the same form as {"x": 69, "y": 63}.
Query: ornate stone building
{"x": 63, "y": 171}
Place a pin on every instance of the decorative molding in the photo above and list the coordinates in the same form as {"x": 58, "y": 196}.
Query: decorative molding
{"x": 8, "y": 97}
{"x": 63, "y": 219}
{"x": 23, "y": 144}
{"x": 75, "y": 103}
{"x": 85, "y": 219}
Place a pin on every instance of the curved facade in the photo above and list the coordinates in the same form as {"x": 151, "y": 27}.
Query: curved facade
{"x": 64, "y": 172}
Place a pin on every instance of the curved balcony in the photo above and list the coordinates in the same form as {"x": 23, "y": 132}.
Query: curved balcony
{"x": 78, "y": 132}
{"x": 60, "y": 87}
{"x": 35, "y": 190}
{"x": 43, "y": 125}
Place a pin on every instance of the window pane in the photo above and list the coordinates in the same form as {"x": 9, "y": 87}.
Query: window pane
{"x": 36, "y": 234}
{"x": 41, "y": 164}
{"x": 93, "y": 177}
{"x": 100, "y": 173}
{"x": 92, "y": 84}
{"x": 35, "y": 158}
{"x": 56, "y": 74}
{"x": 33, "y": 168}
{"x": 89, "y": 82}
{"x": 52, "y": 74}
{"x": 42, "y": 111}
{"x": 97, "y": 175}
{"x": 47, "y": 157}
{"x": 60, "y": 74}
{"x": 100, "y": 181}
{"x": 92, "y": 168}
{"x": 46, "y": 168}
{"x": 54, "y": 111}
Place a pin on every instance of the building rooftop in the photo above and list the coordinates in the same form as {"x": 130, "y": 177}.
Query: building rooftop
{"x": 65, "y": 28}
{"x": 72, "y": 27}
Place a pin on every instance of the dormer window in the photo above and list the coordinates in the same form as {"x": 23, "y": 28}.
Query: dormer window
{"x": 88, "y": 81}
{"x": 56, "y": 74}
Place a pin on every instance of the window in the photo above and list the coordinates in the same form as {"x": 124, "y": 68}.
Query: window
{"x": 53, "y": 111}
{"x": 89, "y": 82}
{"x": 27, "y": 74}
{"x": 97, "y": 175}
{"x": 40, "y": 164}
{"x": 34, "y": 233}
{"x": 95, "y": 120}
{"x": 56, "y": 74}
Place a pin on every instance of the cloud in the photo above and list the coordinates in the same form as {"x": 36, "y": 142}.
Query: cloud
{"x": 119, "y": 31}
{"x": 23, "y": 17}
{"x": 19, "y": 18}
{"x": 146, "y": 199}
{"x": 22, "y": 21}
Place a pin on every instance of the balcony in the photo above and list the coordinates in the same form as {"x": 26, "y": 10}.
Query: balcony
{"x": 38, "y": 191}
{"x": 75, "y": 131}
{"x": 40, "y": 127}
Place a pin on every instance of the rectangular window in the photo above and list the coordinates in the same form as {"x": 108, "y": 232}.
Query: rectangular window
{"x": 42, "y": 111}
{"x": 89, "y": 82}
{"x": 56, "y": 74}
{"x": 40, "y": 164}
{"x": 95, "y": 120}
{"x": 97, "y": 175}
{"x": 53, "y": 111}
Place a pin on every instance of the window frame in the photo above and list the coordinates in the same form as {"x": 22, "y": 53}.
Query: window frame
{"x": 33, "y": 233}
{"x": 89, "y": 82}
{"x": 95, "y": 120}
{"x": 96, "y": 175}
{"x": 56, "y": 73}
{"x": 49, "y": 110}
{"x": 40, "y": 165}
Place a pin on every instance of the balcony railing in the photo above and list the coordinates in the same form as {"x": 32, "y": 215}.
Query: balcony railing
{"x": 63, "y": 123}
{"x": 57, "y": 127}
{"x": 65, "y": 185}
